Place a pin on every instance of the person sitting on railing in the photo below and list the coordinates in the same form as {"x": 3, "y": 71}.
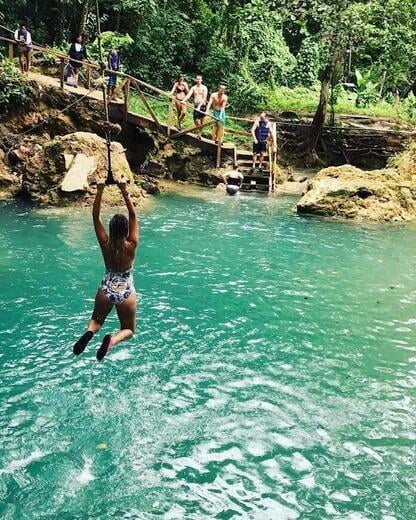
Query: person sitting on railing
{"x": 218, "y": 101}
{"x": 180, "y": 89}
{"x": 78, "y": 52}
{"x": 200, "y": 93}
{"x": 24, "y": 47}
{"x": 114, "y": 63}
{"x": 260, "y": 132}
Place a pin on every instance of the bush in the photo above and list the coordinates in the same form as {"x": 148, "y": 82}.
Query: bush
{"x": 14, "y": 92}
{"x": 305, "y": 74}
{"x": 246, "y": 95}
{"x": 110, "y": 40}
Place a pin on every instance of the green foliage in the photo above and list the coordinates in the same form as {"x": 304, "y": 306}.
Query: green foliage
{"x": 366, "y": 89}
{"x": 110, "y": 40}
{"x": 246, "y": 95}
{"x": 409, "y": 107}
{"x": 14, "y": 92}
{"x": 259, "y": 46}
{"x": 308, "y": 64}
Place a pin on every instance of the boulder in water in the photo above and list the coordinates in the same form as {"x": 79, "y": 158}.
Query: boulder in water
{"x": 350, "y": 193}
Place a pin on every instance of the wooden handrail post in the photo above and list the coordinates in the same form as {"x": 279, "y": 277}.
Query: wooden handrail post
{"x": 88, "y": 76}
{"x": 220, "y": 138}
{"x": 170, "y": 115}
{"x": 10, "y": 51}
{"x": 61, "y": 72}
{"x": 146, "y": 104}
{"x": 126, "y": 99}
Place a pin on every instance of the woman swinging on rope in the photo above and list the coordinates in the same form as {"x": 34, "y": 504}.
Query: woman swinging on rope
{"x": 117, "y": 287}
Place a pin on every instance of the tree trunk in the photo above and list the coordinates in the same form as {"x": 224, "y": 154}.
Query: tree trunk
{"x": 85, "y": 11}
{"x": 329, "y": 77}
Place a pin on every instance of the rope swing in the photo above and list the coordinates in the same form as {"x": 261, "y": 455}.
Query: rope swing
{"x": 108, "y": 126}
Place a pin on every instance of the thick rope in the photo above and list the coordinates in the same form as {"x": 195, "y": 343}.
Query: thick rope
{"x": 107, "y": 126}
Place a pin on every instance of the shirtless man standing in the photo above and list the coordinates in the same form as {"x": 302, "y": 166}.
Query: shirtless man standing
{"x": 218, "y": 101}
{"x": 200, "y": 93}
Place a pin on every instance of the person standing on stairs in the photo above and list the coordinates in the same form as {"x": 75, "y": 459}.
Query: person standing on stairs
{"x": 180, "y": 89}
{"x": 24, "y": 47}
{"x": 77, "y": 51}
{"x": 260, "y": 132}
{"x": 114, "y": 63}
{"x": 218, "y": 101}
{"x": 200, "y": 93}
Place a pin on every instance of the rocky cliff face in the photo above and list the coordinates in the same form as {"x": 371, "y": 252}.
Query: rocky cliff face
{"x": 33, "y": 164}
{"x": 64, "y": 170}
{"x": 350, "y": 193}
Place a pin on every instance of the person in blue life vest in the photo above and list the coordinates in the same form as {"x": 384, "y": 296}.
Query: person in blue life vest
{"x": 260, "y": 132}
{"x": 114, "y": 63}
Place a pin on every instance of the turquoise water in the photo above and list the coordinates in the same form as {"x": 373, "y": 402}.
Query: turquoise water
{"x": 272, "y": 376}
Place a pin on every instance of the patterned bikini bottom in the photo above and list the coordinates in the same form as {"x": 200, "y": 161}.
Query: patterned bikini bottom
{"x": 117, "y": 286}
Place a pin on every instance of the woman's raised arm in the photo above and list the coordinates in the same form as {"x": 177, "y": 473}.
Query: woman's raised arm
{"x": 133, "y": 224}
{"x": 100, "y": 231}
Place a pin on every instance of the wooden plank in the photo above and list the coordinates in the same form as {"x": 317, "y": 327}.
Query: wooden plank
{"x": 238, "y": 132}
{"x": 10, "y": 51}
{"x": 88, "y": 77}
{"x": 117, "y": 90}
{"x": 170, "y": 115}
{"x": 189, "y": 129}
{"x": 219, "y": 153}
{"x": 126, "y": 100}
{"x": 61, "y": 73}
{"x": 146, "y": 104}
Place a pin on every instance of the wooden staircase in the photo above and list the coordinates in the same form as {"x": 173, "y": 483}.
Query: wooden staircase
{"x": 257, "y": 180}
{"x": 260, "y": 180}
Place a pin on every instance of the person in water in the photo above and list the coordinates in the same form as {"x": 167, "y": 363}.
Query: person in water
{"x": 24, "y": 47}
{"x": 180, "y": 89}
{"x": 218, "y": 101}
{"x": 78, "y": 52}
{"x": 233, "y": 179}
{"x": 114, "y": 63}
{"x": 200, "y": 93}
{"x": 260, "y": 132}
{"x": 117, "y": 287}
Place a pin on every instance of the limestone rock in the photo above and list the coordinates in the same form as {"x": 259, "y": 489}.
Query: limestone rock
{"x": 64, "y": 170}
{"x": 76, "y": 178}
{"x": 10, "y": 183}
{"x": 350, "y": 193}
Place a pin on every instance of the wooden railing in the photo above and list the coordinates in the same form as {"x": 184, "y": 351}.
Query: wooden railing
{"x": 272, "y": 159}
{"x": 128, "y": 83}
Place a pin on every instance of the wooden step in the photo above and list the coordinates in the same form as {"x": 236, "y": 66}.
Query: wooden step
{"x": 262, "y": 188}
{"x": 256, "y": 177}
{"x": 248, "y": 162}
{"x": 244, "y": 153}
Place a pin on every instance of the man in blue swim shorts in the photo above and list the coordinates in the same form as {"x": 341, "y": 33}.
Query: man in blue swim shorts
{"x": 218, "y": 101}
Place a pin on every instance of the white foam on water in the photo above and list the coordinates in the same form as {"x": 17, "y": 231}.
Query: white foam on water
{"x": 86, "y": 475}
{"x": 16, "y": 465}
{"x": 308, "y": 482}
{"x": 340, "y": 497}
{"x": 300, "y": 463}
{"x": 120, "y": 355}
{"x": 76, "y": 479}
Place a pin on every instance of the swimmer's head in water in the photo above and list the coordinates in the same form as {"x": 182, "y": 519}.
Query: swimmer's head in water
{"x": 119, "y": 230}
